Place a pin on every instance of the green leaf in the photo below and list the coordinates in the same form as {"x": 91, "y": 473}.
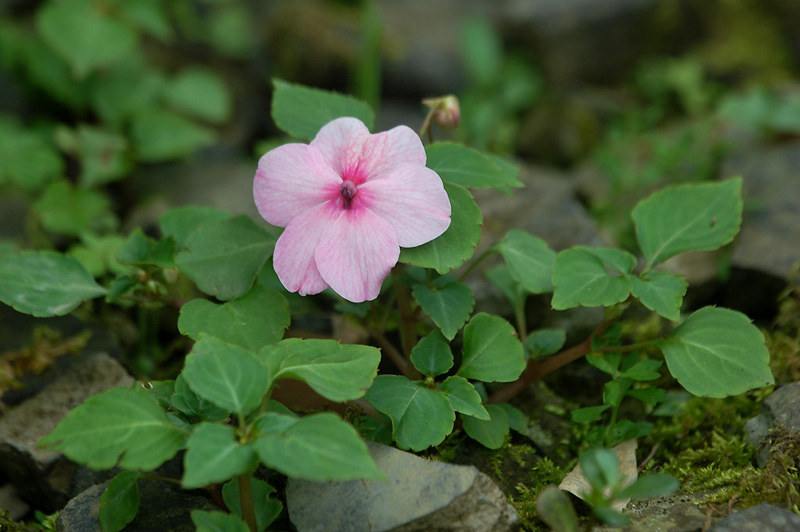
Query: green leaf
{"x": 68, "y": 210}
{"x": 588, "y": 414}
{"x": 191, "y": 404}
{"x": 517, "y": 419}
{"x": 149, "y": 16}
{"x": 653, "y": 485}
{"x": 302, "y": 111}
{"x": 530, "y": 260}
{"x": 457, "y": 244}
{"x": 489, "y": 433}
{"x": 607, "y": 362}
{"x": 102, "y": 154}
{"x": 492, "y": 352}
{"x": 421, "y": 417}
{"x": 464, "y": 397}
{"x": 159, "y": 136}
{"x": 27, "y": 158}
{"x": 651, "y": 396}
{"x": 460, "y": 165}
{"x": 226, "y": 375}
{"x": 661, "y": 292}
{"x": 644, "y": 370}
{"x": 122, "y": 427}
{"x": 259, "y": 318}
{"x": 580, "y": 278}
{"x": 266, "y": 508}
{"x": 339, "y": 372}
{"x": 500, "y": 277}
{"x": 600, "y": 467}
{"x": 717, "y": 352}
{"x": 614, "y": 390}
{"x": 179, "y": 222}
{"x": 85, "y": 34}
{"x": 482, "y": 51}
{"x": 45, "y": 283}
{"x": 554, "y": 508}
{"x": 200, "y": 93}
{"x": 695, "y": 217}
{"x": 432, "y": 356}
{"x": 120, "y": 501}
{"x": 217, "y": 522}
{"x": 449, "y": 306}
{"x": 213, "y": 455}
{"x": 224, "y": 257}
{"x": 319, "y": 447}
{"x": 123, "y": 91}
{"x": 140, "y": 249}
{"x": 545, "y": 342}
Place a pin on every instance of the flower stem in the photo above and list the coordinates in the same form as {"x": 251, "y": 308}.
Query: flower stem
{"x": 246, "y": 501}
{"x": 483, "y": 256}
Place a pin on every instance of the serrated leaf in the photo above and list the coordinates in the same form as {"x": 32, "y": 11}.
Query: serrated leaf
{"x": 266, "y": 508}
{"x": 580, "y": 278}
{"x": 339, "y": 372}
{"x": 213, "y": 455}
{"x": 226, "y": 375}
{"x": 69, "y": 210}
{"x": 179, "y": 222}
{"x": 449, "y": 306}
{"x": 607, "y": 362}
{"x": 259, "y": 318}
{"x": 158, "y": 135}
{"x": 661, "y": 292}
{"x": 489, "y": 433}
{"x": 643, "y": 370}
{"x": 464, "y": 397}
{"x": 457, "y": 244}
{"x": 217, "y": 522}
{"x": 123, "y": 426}
{"x": 200, "y": 93}
{"x": 695, "y": 217}
{"x": 85, "y": 34}
{"x": 119, "y": 501}
{"x": 651, "y": 396}
{"x": 44, "y": 283}
{"x": 432, "y": 356}
{"x": 588, "y": 414}
{"x": 224, "y": 257}
{"x": 717, "y": 352}
{"x": 319, "y": 447}
{"x": 545, "y": 342}
{"x": 302, "y": 111}
{"x": 421, "y": 417}
{"x": 141, "y": 249}
{"x": 185, "y": 400}
{"x": 461, "y": 165}
{"x": 530, "y": 260}
{"x": 492, "y": 352}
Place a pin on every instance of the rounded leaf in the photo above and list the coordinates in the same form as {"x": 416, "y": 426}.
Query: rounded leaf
{"x": 492, "y": 351}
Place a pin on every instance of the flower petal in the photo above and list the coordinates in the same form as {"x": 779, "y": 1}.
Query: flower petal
{"x": 290, "y": 180}
{"x": 356, "y": 155}
{"x": 413, "y": 200}
{"x": 293, "y": 258}
{"x": 356, "y": 255}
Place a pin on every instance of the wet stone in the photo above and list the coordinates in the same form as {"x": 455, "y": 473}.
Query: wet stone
{"x": 761, "y": 518}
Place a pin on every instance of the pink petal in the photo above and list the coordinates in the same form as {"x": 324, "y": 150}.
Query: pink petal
{"x": 413, "y": 200}
{"x": 357, "y": 254}
{"x": 290, "y": 180}
{"x": 293, "y": 258}
{"x": 360, "y": 157}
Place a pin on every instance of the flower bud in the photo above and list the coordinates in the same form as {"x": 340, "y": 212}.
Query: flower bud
{"x": 445, "y": 111}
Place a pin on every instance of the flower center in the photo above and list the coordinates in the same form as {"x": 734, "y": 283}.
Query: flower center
{"x": 348, "y": 191}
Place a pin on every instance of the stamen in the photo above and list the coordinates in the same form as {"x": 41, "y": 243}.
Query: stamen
{"x": 348, "y": 191}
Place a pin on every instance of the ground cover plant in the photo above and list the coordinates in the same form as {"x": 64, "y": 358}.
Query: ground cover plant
{"x": 380, "y": 223}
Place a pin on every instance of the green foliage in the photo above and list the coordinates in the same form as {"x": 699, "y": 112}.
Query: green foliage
{"x": 73, "y": 211}
{"x": 492, "y": 352}
{"x": 213, "y": 454}
{"x": 121, "y": 426}
{"x": 217, "y": 522}
{"x": 27, "y": 158}
{"x": 267, "y": 509}
{"x": 449, "y": 305}
{"x": 555, "y": 509}
{"x": 492, "y": 432}
{"x": 717, "y": 352}
{"x": 158, "y": 135}
{"x": 120, "y": 501}
{"x": 460, "y": 165}
{"x": 465, "y": 399}
{"x": 581, "y": 277}
{"x": 458, "y": 243}
{"x": 530, "y": 260}
{"x": 180, "y": 222}
{"x": 257, "y": 319}
{"x": 200, "y": 93}
{"x": 545, "y": 342}
{"x": 661, "y": 292}
{"x": 432, "y": 355}
{"x": 224, "y": 257}
{"x": 301, "y": 111}
{"x": 44, "y": 283}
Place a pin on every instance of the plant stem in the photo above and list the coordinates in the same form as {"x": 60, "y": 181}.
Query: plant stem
{"x": 408, "y": 325}
{"x": 536, "y": 370}
{"x": 483, "y": 256}
{"x": 522, "y": 324}
{"x": 246, "y": 500}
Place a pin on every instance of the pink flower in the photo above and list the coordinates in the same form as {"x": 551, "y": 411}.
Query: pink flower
{"x": 348, "y": 200}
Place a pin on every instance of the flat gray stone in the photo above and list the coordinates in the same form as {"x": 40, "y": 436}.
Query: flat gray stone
{"x": 47, "y": 479}
{"x": 420, "y": 495}
{"x": 780, "y": 411}
{"x": 762, "y": 518}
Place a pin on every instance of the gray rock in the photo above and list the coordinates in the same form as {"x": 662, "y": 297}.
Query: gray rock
{"x": 160, "y": 508}
{"x": 47, "y": 479}
{"x": 780, "y": 412}
{"x": 420, "y": 495}
{"x": 675, "y": 513}
{"x": 769, "y": 241}
{"x": 759, "y": 519}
